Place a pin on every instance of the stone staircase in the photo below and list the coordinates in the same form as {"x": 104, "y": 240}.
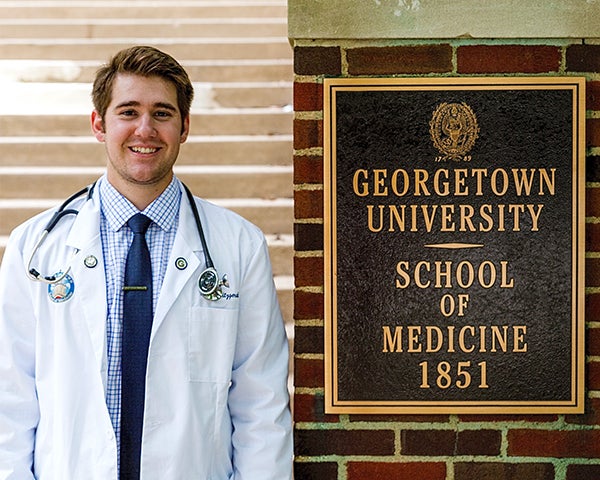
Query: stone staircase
{"x": 239, "y": 153}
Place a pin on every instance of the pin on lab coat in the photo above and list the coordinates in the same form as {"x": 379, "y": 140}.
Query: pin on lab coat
{"x": 216, "y": 397}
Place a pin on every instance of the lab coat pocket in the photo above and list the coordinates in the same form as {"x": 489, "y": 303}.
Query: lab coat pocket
{"x": 212, "y": 343}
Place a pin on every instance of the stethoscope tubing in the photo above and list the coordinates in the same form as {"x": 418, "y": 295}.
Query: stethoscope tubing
{"x": 58, "y": 215}
{"x": 207, "y": 257}
{"x": 210, "y": 272}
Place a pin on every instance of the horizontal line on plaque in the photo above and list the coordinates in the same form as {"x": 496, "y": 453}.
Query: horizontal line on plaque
{"x": 455, "y": 245}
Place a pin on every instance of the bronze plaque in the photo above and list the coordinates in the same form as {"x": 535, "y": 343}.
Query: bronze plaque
{"x": 454, "y": 245}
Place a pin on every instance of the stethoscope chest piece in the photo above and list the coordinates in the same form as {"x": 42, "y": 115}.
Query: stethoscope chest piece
{"x": 211, "y": 287}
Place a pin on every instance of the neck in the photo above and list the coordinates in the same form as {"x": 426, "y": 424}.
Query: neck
{"x": 140, "y": 194}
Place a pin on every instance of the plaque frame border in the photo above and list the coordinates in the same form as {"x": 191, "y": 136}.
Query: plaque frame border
{"x": 576, "y": 404}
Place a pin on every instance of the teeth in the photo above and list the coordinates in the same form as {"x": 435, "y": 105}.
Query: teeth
{"x": 144, "y": 149}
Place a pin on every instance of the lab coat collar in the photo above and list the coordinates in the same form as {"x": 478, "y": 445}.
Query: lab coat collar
{"x": 90, "y": 290}
{"x": 86, "y": 226}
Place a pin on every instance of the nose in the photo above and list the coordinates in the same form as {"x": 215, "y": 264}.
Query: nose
{"x": 145, "y": 126}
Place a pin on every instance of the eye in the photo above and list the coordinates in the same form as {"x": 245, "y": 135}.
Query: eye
{"x": 163, "y": 114}
{"x": 127, "y": 113}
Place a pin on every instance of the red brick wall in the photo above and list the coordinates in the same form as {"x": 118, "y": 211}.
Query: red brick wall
{"x": 439, "y": 447}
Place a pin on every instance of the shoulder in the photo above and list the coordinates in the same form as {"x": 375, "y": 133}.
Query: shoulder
{"x": 28, "y": 233}
{"x": 31, "y": 229}
{"x": 226, "y": 228}
{"x": 218, "y": 216}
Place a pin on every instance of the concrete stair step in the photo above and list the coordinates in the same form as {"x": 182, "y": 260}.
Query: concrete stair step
{"x": 249, "y": 95}
{"x": 190, "y": 48}
{"x": 142, "y": 27}
{"x": 141, "y": 9}
{"x": 198, "y": 150}
{"x": 208, "y": 181}
{"x": 271, "y": 216}
{"x": 233, "y": 121}
{"x": 215, "y": 70}
{"x": 281, "y": 251}
{"x": 239, "y": 70}
{"x": 285, "y": 295}
{"x": 19, "y": 98}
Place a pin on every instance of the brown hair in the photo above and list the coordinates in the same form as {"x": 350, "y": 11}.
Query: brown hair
{"x": 147, "y": 62}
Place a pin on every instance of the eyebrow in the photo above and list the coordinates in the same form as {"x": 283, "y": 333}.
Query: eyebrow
{"x": 133, "y": 103}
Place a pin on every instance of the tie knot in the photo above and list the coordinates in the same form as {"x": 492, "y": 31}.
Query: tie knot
{"x": 139, "y": 223}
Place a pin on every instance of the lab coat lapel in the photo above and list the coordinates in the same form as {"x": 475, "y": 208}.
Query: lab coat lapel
{"x": 186, "y": 246}
{"x": 89, "y": 279}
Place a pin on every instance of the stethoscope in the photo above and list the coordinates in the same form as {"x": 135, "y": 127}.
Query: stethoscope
{"x": 209, "y": 283}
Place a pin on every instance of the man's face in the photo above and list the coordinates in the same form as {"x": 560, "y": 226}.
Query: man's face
{"x": 142, "y": 131}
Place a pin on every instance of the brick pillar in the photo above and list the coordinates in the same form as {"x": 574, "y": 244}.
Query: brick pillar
{"x": 432, "y": 447}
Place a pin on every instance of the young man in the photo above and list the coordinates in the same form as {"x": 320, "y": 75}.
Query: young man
{"x": 212, "y": 400}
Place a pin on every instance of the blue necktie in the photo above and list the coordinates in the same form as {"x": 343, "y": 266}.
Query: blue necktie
{"x": 137, "y": 323}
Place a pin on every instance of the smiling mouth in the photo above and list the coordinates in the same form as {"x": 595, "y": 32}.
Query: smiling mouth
{"x": 145, "y": 150}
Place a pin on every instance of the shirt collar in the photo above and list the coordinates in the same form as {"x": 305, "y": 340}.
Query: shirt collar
{"x": 118, "y": 210}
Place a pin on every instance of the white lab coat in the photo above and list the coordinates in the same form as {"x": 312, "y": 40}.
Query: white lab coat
{"x": 216, "y": 406}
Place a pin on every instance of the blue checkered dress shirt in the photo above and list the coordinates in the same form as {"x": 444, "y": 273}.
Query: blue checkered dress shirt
{"x": 116, "y": 238}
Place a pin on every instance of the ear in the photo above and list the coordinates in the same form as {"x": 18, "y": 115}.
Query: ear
{"x": 185, "y": 130}
{"x": 98, "y": 126}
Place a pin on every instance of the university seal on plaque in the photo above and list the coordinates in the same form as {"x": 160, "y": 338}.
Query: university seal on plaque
{"x": 453, "y": 129}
